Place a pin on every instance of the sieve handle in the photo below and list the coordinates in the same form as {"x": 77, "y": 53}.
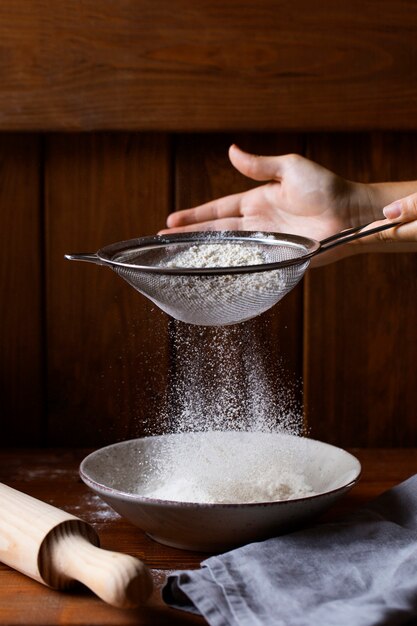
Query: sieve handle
{"x": 351, "y": 234}
{"x": 90, "y": 257}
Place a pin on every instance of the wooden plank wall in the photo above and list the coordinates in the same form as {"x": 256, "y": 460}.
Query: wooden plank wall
{"x": 163, "y": 87}
{"x": 361, "y": 317}
{"x": 209, "y": 65}
{"x": 22, "y": 329}
{"x": 85, "y": 359}
{"x": 105, "y": 343}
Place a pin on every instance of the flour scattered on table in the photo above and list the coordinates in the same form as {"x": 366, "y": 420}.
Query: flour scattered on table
{"x": 95, "y": 509}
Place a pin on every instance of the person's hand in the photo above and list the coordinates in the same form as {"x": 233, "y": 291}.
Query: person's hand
{"x": 301, "y": 198}
{"x": 401, "y": 238}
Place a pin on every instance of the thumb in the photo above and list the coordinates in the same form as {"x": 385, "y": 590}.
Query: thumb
{"x": 405, "y": 209}
{"x": 256, "y": 167}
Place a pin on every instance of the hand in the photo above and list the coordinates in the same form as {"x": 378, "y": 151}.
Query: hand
{"x": 401, "y": 238}
{"x": 302, "y": 198}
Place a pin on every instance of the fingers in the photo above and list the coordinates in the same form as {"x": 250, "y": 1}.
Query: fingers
{"x": 215, "y": 210}
{"x": 232, "y": 223}
{"x": 404, "y": 235}
{"x": 256, "y": 167}
{"x": 404, "y": 209}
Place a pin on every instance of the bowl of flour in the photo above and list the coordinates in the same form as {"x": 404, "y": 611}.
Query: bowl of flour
{"x": 214, "y": 490}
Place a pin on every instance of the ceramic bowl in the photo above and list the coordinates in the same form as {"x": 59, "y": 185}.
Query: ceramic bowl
{"x": 121, "y": 473}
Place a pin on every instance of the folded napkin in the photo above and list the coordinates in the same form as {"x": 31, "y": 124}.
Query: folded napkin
{"x": 359, "y": 571}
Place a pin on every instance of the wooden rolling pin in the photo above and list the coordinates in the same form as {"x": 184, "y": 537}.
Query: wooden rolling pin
{"x": 58, "y": 549}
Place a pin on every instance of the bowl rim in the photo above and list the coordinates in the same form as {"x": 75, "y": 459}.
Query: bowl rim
{"x": 134, "y": 497}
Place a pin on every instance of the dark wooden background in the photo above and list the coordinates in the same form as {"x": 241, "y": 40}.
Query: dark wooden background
{"x": 163, "y": 88}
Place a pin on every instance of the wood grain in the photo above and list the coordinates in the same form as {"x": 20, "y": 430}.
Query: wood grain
{"x": 21, "y": 289}
{"x": 51, "y": 475}
{"x": 104, "y": 349}
{"x": 172, "y": 65}
{"x": 107, "y": 348}
{"x": 58, "y": 549}
{"x": 360, "y": 317}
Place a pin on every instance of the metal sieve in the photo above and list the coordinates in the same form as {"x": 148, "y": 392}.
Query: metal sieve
{"x": 216, "y": 296}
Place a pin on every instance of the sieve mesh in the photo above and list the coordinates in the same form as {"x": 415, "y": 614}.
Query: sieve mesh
{"x": 218, "y": 296}
{"x": 197, "y": 296}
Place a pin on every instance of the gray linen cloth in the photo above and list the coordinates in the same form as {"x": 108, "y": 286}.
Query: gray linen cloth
{"x": 358, "y": 571}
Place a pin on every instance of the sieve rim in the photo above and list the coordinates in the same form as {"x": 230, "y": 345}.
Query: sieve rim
{"x": 309, "y": 246}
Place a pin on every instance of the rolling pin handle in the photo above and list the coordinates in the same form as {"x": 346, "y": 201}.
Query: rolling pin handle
{"x": 56, "y": 548}
{"x": 119, "y": 579}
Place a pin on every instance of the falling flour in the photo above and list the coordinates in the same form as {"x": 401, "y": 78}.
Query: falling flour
{"x": 223, "y": 384}
{"x": 224, "y": 380}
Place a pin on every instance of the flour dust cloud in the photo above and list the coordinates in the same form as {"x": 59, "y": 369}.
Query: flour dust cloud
{"x": 227, "y": 380}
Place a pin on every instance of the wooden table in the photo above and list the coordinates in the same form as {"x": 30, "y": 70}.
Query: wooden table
{"x": 52, "y": 476}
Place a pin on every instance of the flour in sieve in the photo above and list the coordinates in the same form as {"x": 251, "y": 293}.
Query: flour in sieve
{"x": 218, "y": 255}
{"x": 221, "y": 299}
{"x": 228, "y": 255}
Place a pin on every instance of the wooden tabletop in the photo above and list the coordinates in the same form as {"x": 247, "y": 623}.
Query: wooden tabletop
{"x": 52, "y": 476}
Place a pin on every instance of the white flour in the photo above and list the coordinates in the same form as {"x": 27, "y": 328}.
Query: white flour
{"x": 226, "y": 255}
{"x": 226, "y": 467}
{"x": 224, "y": 379}
{"x": 218, "y": 255}
{"x": 219, "y": 489}
{"x": 229, "y": 378}
{"x": 224, "y": 299}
